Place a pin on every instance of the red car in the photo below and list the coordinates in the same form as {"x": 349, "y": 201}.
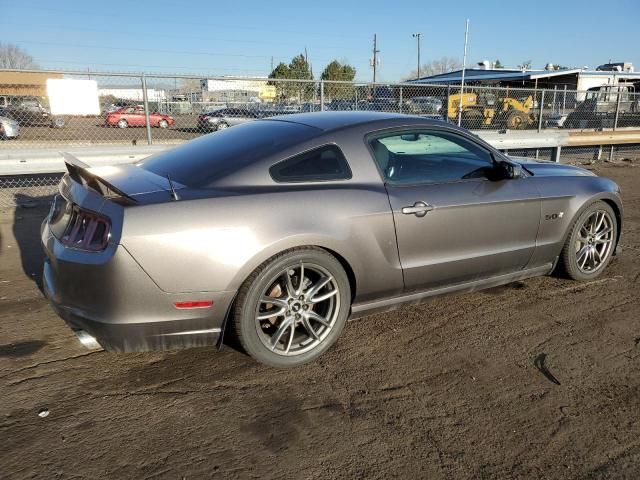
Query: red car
{"x": 134, "y": 117}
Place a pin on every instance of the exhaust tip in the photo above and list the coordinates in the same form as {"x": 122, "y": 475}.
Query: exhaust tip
{"x": 87, "y": 340}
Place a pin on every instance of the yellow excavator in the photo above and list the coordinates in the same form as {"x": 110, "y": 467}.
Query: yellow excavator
{"x": 483, "y": 110}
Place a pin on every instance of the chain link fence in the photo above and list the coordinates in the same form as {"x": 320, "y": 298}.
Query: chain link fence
{"x": 101, "y": 109}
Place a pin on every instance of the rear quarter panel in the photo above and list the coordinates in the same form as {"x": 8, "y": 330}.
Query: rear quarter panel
{"x": 214, "y": 244}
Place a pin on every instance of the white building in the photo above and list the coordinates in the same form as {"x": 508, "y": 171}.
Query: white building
{"x": 134, "y": 94}
{"x": 235, "y": 89}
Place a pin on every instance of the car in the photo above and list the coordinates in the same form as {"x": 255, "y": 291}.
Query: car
{"x": 134, "y": 116}
{"x": 279, "y": 230}
{"x": 224, "y": 118}
{"x": 9, "y": 128}
{"x": 29, "y": 112}
{"x": 425, "y": 105}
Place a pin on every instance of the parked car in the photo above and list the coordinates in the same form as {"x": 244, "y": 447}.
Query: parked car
{"x": 135, "y": 117}
{"x": 107, "y": 108}
{"x": 425, "y": 106}
{"x": 342, "y": 105}
{"x": 29, "y": 112}
{"x": 278, "y": 230}
{"x": 9, "y": 128}
{"x": 224, "y": 118}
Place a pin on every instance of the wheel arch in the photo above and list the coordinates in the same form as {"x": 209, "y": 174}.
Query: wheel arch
{"x": 617, "y": 210}
{"x": 267, "y": 255}
{"x": 605, "y": 197}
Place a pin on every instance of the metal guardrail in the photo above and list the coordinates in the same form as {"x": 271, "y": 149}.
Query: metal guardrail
{"x": 38, "y": 161}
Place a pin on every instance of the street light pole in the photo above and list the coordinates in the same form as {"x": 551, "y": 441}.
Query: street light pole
{"x": 417, "y": 36}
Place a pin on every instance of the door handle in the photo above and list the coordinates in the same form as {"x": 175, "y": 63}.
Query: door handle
{"x": 419, "y": 209}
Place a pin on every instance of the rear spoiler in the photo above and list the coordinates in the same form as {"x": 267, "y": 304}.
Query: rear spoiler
{"x": 79, "y": 171}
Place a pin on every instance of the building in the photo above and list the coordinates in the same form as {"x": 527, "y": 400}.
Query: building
{"x": 133, "y": 94}
{"x": 572, "y": 79}
{"x": 23, "y": 84}
{"x": 236, "y": 89}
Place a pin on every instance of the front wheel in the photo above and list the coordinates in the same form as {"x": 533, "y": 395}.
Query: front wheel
{"x": 292, "y": 308}
{"x": 222, "y": 126}
{"x": 590, "y": 244}
{"x": 122, "y": 123}
{"x": 163, "y": 124}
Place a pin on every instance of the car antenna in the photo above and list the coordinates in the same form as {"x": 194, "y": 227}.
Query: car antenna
{"x": 174, "y": 194}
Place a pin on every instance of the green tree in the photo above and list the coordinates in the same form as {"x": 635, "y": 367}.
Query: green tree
{"x": 339, "y": 72}
{"x": 280, "y": 72}
{"x": 299, "y": 69}
{"x": 497, "y": 64}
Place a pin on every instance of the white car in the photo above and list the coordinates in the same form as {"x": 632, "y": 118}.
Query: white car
{"x": 9, "y": 128}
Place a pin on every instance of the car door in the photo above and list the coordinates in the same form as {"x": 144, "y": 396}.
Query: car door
{"x": 138, "y": 118}
{"x": 455, "y": 221}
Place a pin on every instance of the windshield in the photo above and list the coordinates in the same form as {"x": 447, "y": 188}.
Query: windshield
{"x": 200, "y": 162}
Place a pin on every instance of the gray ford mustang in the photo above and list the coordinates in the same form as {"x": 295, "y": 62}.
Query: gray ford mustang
{"x": 279, "y": 230}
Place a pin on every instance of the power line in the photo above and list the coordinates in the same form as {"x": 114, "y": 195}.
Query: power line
{"x": 173, "y": 23}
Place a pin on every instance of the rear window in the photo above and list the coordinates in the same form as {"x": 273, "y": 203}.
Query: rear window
{"x": 317, "y": 165}
{"x": 200, "y": 162}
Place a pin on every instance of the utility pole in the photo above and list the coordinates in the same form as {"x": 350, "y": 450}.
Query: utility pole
{"x": 417, "y": 36}
{"x": 272, "y": 63}
{"x": 374, "y": 62}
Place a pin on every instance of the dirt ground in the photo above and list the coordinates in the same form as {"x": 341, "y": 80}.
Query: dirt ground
{"x": 538, "y": 379}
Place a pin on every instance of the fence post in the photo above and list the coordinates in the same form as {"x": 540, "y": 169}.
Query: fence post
{"x": 615, "y": 120}
{"x": 322, "y": 95}
{"x": 146, "y": 109}
{"x": 400, "y": 98}
{"x": 356, "y": 92}
{"x": 541, "y": 111}
{"x": 446, "y": 105}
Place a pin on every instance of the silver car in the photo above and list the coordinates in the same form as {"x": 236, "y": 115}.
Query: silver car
{"x": 279, "y": 230}
{"x": 225, "y": 118}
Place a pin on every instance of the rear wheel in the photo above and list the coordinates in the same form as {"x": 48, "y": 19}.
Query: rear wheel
{"x": 222, "y": 126}
{"x": 590, "y": 244}
{"x": 292, "y": 308}
{"x": 122, "y": 123}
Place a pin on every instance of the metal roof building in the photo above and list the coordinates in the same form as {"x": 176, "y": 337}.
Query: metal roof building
{"x": 573, "y": 79}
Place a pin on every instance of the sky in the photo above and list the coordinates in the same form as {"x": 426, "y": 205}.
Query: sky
{"x": 244, "y": 37}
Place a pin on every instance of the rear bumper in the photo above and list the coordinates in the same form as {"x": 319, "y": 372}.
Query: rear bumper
{"x": 115, "y": 301}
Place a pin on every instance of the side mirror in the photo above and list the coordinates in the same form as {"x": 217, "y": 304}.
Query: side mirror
{"x": 510, "y": 170}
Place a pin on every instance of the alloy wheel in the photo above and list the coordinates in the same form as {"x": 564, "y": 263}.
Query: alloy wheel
{"x": 298, "y": 309}
{"x": 594, "y": 241}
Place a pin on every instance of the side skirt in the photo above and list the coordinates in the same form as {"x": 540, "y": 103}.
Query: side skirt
{"x": 393, "y": 303}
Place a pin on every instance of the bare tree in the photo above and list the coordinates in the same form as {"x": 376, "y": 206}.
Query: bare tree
{"x": 436, "y": 67}
{"x": 12, "y": 56}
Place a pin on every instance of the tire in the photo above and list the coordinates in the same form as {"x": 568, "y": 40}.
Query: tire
{"x": 471, "y": 119}
{"x": 282, "y": 339}
{"x": 222, "y": 126}
{"x": 58, "y": 122}
{"x": 122, "y": 123}
{"x": 517, "y": 120}
{"x": 577, "y": 260}
{"x": 163, "y": 124}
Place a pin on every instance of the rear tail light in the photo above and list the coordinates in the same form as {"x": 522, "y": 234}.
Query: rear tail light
{"x": 87, "y": 231}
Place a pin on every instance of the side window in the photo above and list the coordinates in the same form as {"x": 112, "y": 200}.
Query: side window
{"x": 429, "y": 157}
{"x": 321, "y": 164}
